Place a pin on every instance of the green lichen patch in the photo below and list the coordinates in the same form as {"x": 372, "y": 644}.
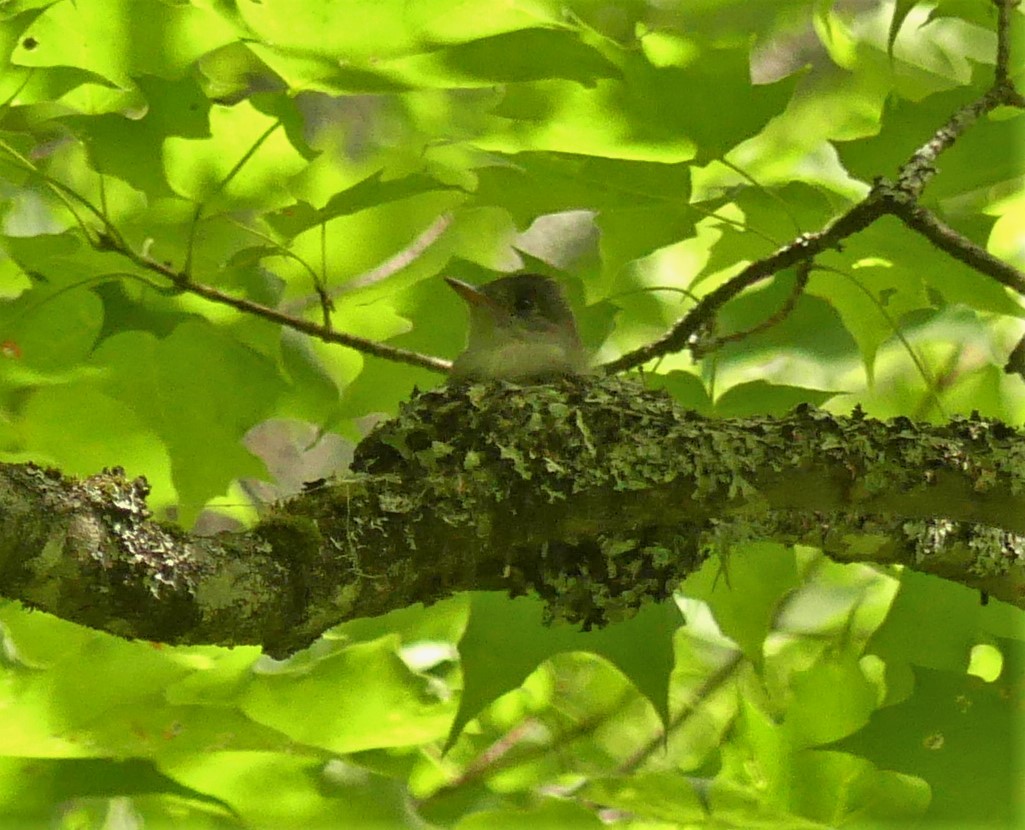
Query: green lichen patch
{"x": 491, "y": 459}
{"x": 598, "y": 494}
{"x": 155, "y": 551}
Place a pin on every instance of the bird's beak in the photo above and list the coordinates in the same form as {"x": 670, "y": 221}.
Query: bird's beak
{"x": 474, "y": 297}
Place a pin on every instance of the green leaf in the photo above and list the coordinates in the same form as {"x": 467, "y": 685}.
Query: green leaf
{"x": 632, "y": 233}
{"x": 93, "y": 706}
{"x": 657, "y": 796}
{"x": 32, "y": 786}
{"x": 312, "y": 395}
{"x": 812, "y": 329}
{"x": 826, "y": 785}
{"x": 104, "y": 432}
{"x": 687, "y": 389}
{"x": 758, "y": 759}
{"x": 988, "y": 390}
{"x": 525, "y": 55}
{"x": 304, "y": 72}
{"x": 54, "y": 325}
{"x": 38, "y": 640}
{"x": 652, "y": 114}
{"x": 950, "y": 724}
{"x": 236, "y": 388}
{"x": 830, "y": 699}
{"x": 873, "y": 287}
{"x": 371, "y": 192}
{"x": 124, "y": 147}
{"x": 383, "y": 230}
{"x": 245, "y": 161}
{"x": 442, "y": 622}
{"x": 549, "y": 812}
{"x": 932, "y": 623}
{"x": 535, "y": 183}
{"x": 271, "y": 789}
{"x": 900, "y": 12}
{"x": 982, "y": 14}
{"x": 454, "y": 21}
{"x": 901, "y": 134}
{"x": 361, "y": 697}
{"x": 758, "y": 397}
{"x": 744, "y": 592}
{"x": 641, "y": 205}
{"x": 772, "y": 216}
{"x": 363, "y": 29}
{"x": 506, "y": 640}
{"x": 122, "y": 38}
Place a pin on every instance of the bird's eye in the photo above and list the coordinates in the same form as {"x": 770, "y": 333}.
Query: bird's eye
{"x": 524, "y": 303}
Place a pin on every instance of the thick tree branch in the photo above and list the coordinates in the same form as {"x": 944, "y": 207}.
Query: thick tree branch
{"x": 597, "y": 495}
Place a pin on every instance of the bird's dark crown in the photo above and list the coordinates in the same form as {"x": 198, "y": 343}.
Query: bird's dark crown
{"x": 527, "y": 295}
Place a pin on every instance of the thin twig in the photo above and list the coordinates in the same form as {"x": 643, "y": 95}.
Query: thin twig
{"x": 183, "y": 282}
{"x": 405, "y": 257}
{"x": 327, "y": 306}
{"x": 1004, "y": 9}
{"x": 111, "y": 239}
{"x": 698, "y": 319}
{"x": 803, "y": 269}
{"x": 918, "y": 170}
{"x": 223, "y": 183}
{"x": 707, "y": 688}
{"x": 499, "y": 755}
{"x": 957, "y": 245}
{"x": 390, "y": 266}
{"x": 898, "y": 333}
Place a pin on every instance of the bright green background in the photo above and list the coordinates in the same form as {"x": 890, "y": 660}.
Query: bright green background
{"x": 641, "y": 153}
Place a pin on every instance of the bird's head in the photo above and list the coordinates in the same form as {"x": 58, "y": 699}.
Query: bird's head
{"x": 521, "y": 327}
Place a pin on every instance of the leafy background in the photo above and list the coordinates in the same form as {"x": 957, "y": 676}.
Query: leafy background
{"x": 642, "y": 153}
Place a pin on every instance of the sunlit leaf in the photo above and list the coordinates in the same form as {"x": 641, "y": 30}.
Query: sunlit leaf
{"x": 506, "y": 640}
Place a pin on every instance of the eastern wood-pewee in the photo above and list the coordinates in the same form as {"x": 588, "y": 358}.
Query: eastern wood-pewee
{"x": 521, "y": 328}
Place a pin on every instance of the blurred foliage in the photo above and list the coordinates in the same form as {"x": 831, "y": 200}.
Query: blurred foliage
{"x": 642, "y": 152}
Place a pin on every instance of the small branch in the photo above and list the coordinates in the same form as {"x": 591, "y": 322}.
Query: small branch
{"x": 708, "y": 687}
{"x": 403, "y": 258}
{"x": 1004, "y": 10}
{"x": 67, "y": 195}
{"x": 524, "y": 737}
{"x": 686, "y": 331}
{"x": 390, "y": 266}
{"x": 327, "y": 306}
{"x": 918, "y": 170}
{"x": 956, "y": 244}
{"x": 800, "y": 283}
{"x": 486, "y": 762}
{"x": 900, "y": 200}
{"x": 183, "y": 283}
{"x": 111, "y": 239}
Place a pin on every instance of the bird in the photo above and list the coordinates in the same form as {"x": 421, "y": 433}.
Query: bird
{"x": 521, "y": 329}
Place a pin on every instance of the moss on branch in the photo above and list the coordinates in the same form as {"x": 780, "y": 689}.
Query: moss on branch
{"x": 596, "y": 494}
